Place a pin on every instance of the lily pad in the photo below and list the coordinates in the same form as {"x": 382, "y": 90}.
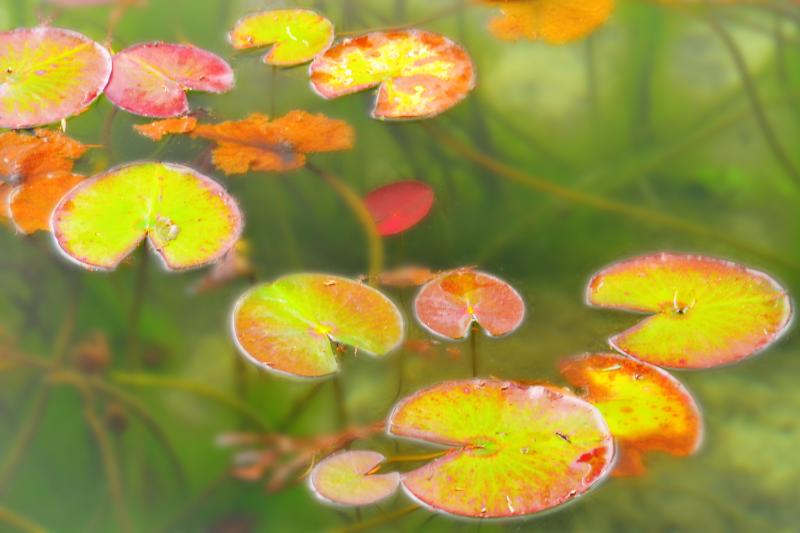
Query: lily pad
{"x": 448, "y": 305}
{"x": 399, "y": 206}
{"x": 151, "y": 79}
{"x": 516, "y": 450}
{"x": 188, "y": 218}
{"x": 420, "y": 74}
{"x": 48, "y": 74}
{"x": 706, "y": 312}
{"x": 345, "y": 478}
{"x": 297, "y": 35}
{"x": 31, "y": 204}
{"x": 553, "y": 21}
{"x": 645, "y": 407}
{"x": 287, "y": 326}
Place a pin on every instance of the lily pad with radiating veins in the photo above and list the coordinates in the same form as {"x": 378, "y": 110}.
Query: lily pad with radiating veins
{"x": 399, "y": 206}
{"x": 419, "y": 74}
{"x": 188, "y": 218}
{"x": 48, "y": 74}
{"x": 706, "y": 312}
{"x": 515, "y": 450}
{"x": 645, "y": 408}
{"x": 151, "y": 79}
{"x": 287, "y": 326}
{"x": 296, "y": 35}
{"x": 449, "y": 304}
{"x": 347, "y": 478}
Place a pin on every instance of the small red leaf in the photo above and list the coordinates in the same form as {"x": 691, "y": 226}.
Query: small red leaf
{"x": 399, "y": 206}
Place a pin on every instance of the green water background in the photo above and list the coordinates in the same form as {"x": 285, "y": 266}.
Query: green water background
{"x": 650, "y": 112}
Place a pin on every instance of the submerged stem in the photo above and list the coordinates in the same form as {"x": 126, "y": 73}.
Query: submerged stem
{"x": 473, "y": 349}
{"x": 18, "y": 522}
{"x": 379, "y": 520}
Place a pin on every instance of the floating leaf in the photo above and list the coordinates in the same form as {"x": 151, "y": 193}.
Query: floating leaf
{"x": 155, "y": 131}
{"x": 516, "y": 450}
{"x": 449, "y": 304}
{"x": 256, "y": 144}
{"x": 406, "y": 276}
{"x": 399, "y": 206}
{"x": 48, "y": 74}
{"x": 298, "y": 35}
{"x": 346, "y": 478}
{"x": 645, "y": 408}
{"x": 31, "y": 205}
{"x": 287, "y": 326}
{"x": 706, "y": 312}
{"x": 420, "y": 74}
{"x": 188, "y": 218}
{"x": 151, "y": 79}
{"x": 554, "y": 21}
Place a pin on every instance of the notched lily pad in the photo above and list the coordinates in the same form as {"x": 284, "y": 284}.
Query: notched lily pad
{"x": 399, "y": 206}
{"x": 516, "y": 450}
{"x": 706, "y": 312}
{"x": 48, "y": 74}
{"x": 188, "y": 218}
{"x": 346, "y": 478}
{"x": 151, "y": 79}
{"x": 287, "y": 326}
{"x": 297, "y": 35}
{"x": 448, "y": 305}
{"x": 420, "y": 74}
{"x": 645, "y": 408}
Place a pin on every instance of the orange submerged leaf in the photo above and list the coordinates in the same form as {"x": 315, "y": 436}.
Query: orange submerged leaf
{"x": 160, "y": 128}
{"x": 553, "y": 21}
{"x": 32, "y": 204}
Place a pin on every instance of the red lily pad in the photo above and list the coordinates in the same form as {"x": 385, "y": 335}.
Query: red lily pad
{"x": 48, "y": 74}
{"x": 399, "y": 206}
{"x": 151, "y": 79}
{"x": 448, "y": 305}
{"x": 287, "y": 326}
{"x": 706, "y": 312}
{"x": 645, "y": 407}
{"x": 346, "y": 478}
{"x": 515, "y": 450}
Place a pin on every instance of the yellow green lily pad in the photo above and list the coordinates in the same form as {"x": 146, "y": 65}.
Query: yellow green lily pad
{"x": 188, "y": 218}
{"x": 296, "y": 35}
{"x": 705, "y": 312}
{"x": 347, "y": 478}
{"x": 515, "y": 450}
{"x": 287, "y": 326}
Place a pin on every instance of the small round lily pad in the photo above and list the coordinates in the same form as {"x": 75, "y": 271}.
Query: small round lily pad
{"x": 448, "y": 305}
{"x": 287, "y": 326}
{"x": 151, "y": 79}
{"x": 515, "y": 450}
{"x": 188, "y": 218}
{"x": 420, "y": 74}
{"x": 646, "y": 408}
{"x": 705, "y": 312}
{"x": 297, "y": 35}
{"x": 48, "y": 74}
{"x": 345, "y": 478}
{"x": 399, "y": 206}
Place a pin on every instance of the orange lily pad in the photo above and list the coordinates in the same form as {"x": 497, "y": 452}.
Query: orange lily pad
{"x": 297, "y": 35}
{"x": 419, "y": 74}
{"x": 188, "y": 218}
{"x": 347, "y": 478}
{"x": 645, "y": 407}
{"x": 399, "y": 206}
{"x": 706, "y": 312}
{"x": 287, "y": 326}
{"x": 48, "y": 74}
{"x": 448, "y": 305}
{"x": 155, "y": 131}
{"x": 31, "y": 205}
{"x": 515, "y": 450}
{"x": 553, "y": 21}
{"x": 151, "y": 79}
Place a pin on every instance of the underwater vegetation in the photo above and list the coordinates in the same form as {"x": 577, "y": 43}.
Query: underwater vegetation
{"x": 437, "y": 305}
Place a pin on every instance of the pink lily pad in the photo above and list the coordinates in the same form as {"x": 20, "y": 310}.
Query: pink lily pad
{"x": 346, "y": 478}
{"x": 515, "y": 450}
{"x": 399, "y": 206}
{"x": 151, "y": 79}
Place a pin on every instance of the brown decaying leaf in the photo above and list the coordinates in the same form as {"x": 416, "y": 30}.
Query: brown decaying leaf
{"x": 234, "y": 265}
{"x": 157, "y": 130}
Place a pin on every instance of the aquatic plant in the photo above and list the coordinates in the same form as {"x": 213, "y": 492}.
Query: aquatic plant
{"x": 554, "y": 21}
{"x": 399, "y": 206}
{"x": 288, "y": 326}
{"x": 348, "y": 478}
{"x": 705, "y": 312}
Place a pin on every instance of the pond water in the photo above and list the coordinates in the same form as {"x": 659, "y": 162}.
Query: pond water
{"x": 656, "y": 132}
